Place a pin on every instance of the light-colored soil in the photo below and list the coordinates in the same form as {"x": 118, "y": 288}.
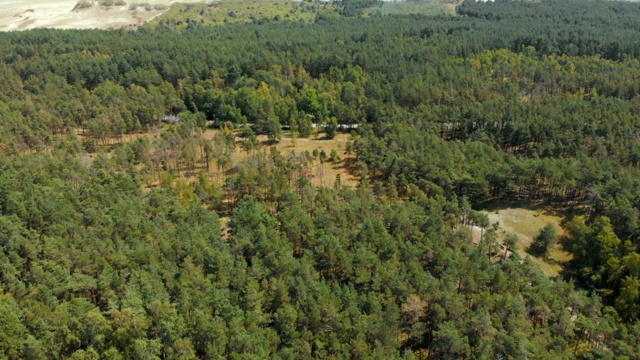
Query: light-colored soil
{"x": 476, "y": 234}
{"x": 322, "y": 174}
{"x": 319, "y": 174}
{"x": 452, "y": 7}
{"x": 526, "y": 224}
{"x": 60, "y": 14}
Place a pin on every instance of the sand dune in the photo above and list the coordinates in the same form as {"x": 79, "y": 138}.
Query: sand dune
{"x": 60, "y": 14}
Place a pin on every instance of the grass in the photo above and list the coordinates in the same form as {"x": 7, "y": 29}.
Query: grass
{"x": 329, "y": 170}
{"x": 320, "y": 174}
{"x": 526, "y": 223}
{"x": 425, "y": 7}
{"x": 241, "y": 11}
{"x": 300, "y": 145}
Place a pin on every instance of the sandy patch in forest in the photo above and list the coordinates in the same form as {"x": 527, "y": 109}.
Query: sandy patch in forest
{"x": 60, "y": 14}
{"x": 318, "y": 174}
{"x": 526, "y": 224}
{"x": 324, "y": 174}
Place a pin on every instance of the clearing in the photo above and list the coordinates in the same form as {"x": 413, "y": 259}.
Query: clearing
{"x": 318, "y": 174}
{"x": 425, "y": 7}
{"x": 526, "y": 223}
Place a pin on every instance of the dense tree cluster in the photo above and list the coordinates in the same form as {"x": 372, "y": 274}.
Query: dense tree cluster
{"x": 569, "y": 27}
{"x": 451, "y": 112}
{"x": 93, "y": 265}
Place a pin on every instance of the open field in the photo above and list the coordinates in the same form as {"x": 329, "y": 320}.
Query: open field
{"x": 425, "y": 7}
{"x": 241, "y": 11}
{"x": 526, "y": 224}
{"x": 83, "y": 14}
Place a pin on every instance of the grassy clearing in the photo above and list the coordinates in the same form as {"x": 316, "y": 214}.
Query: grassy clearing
{"x": 323, "y": 174}
{"x": 425, "y": 7}
{"x": 241, "y": 11}
{"x": 319, "y": 174}
{"x": 526, "y": 223}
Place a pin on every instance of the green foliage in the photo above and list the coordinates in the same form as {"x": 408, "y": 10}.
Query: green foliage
{"x": 549, "y": 36}
{"x": 424, "y": 7}
{"x": 356, "y": 7}
{"x": 515, "y": 101}
{"x": 191, "y": 15}
{"x": 334, "y": 157}
{"x": 13, "y": 332}
{"x": 544, "y": 240}
{"x": 331, "y": 128}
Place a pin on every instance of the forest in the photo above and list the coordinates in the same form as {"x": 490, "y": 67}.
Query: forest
{"x": 131, "y": 229}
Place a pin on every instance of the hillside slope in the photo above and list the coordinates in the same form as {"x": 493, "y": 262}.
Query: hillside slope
{"x": 67, "y": 14}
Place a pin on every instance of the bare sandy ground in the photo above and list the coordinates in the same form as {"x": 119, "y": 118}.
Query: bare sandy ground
{"x": 526, "y": 224}
{"x": 60, "y": 14}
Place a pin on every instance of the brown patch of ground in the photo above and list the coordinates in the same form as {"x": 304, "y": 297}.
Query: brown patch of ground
{"x": 452, "y": 7}
{"x": 425, "y": 7}
{"x": 224, "y": 226}
{"x": 319, "y": 174}
{"x": 526, "y": 224}
{"x": 322, "y": 174}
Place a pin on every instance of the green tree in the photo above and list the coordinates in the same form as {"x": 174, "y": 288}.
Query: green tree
{"x": 546, "y": 238}
{"x": 12, "y": 331}
{"x": 331, "y": 127}
{"x": 510, "y": 244}
{"x": 628, "y": 302}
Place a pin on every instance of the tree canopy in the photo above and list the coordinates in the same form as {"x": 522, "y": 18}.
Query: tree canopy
{"x": 116, "y": 245}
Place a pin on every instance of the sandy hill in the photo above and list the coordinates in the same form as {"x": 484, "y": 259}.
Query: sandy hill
{"x": 79, "y": 14}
